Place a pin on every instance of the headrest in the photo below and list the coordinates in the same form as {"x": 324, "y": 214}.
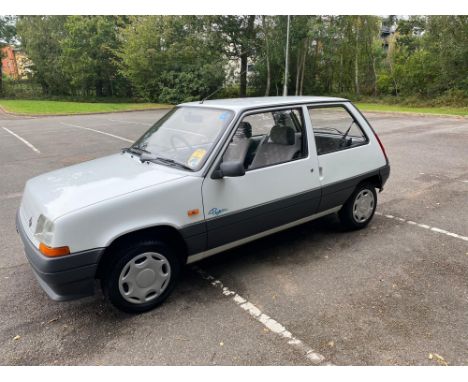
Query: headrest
{"x": 283, "y": 135}
{"x": 244, "y": 130}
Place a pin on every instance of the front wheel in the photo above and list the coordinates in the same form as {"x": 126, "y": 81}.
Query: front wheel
{"x": 359, "y": 209}
{"x": 141, "y": 276}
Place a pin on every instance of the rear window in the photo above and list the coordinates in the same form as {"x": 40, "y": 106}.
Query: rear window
{"x": 335, "y": 129}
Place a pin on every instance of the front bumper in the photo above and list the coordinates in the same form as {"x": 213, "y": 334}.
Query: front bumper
{"x": 62, "y": 278}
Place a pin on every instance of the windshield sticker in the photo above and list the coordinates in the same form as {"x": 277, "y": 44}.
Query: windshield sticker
{"x": 196, "y": 157}
{"x": 216, "y": 211}
{"x": 224, "y": 115}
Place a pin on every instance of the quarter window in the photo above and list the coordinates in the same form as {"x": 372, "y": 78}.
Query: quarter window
{"x": 335, "y": 129}
{"x": 268, "y": 138}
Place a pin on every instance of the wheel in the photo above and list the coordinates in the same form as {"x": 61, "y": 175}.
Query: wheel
{"x": 359, "y": 209}
{"x": 141, "y": 276}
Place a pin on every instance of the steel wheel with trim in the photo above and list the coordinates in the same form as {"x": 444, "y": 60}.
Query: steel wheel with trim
{"x": 141, "y": 276}
{"x": 359, "y": 209}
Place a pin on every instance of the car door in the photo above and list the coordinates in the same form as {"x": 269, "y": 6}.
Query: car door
{"x": 281, "y": 182}
{"x": 346, "y": 154}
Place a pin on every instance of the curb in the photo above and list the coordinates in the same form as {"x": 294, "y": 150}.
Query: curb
{"x": 413, "y": 113}
{"x": 2, "y": 110}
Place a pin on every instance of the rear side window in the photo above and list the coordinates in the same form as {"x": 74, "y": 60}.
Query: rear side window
{"x": 335, "y": 129}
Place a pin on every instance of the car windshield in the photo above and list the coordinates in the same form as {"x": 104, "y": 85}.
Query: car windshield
{"x": 185, "y": 135}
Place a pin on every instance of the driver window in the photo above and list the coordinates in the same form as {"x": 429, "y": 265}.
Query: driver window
{"x": 335, "y": 129}
{"x": 268, "y": 138}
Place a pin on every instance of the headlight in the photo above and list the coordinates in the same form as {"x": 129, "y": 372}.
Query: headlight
{"x": 44, "y": 230}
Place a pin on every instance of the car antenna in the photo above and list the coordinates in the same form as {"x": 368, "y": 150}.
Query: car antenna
{"x": 212, "y": 94}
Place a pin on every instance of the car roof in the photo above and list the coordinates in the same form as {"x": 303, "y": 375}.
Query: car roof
{"x": 240, "y": 104}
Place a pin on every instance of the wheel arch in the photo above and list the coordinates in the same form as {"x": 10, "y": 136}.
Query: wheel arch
{"x": 165, "y": 233}
{"x": 375, "y": 180}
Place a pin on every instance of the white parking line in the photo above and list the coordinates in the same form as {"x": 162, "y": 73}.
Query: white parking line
{"x": 22, "y": 140}
{"x": 271, "y": 324}
{"x": 131, "y": 122}
{"x": 98, "y": 131}
{"x": 11, "y": 196}
{"x": 425, "y": 226}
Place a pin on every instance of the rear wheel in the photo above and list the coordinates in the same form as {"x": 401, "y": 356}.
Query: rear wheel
{"x": 359, "y": 209}
{"x": 141, "y": 276}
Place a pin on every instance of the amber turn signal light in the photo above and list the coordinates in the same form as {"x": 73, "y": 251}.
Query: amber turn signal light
{"x": 193, "y": 212}
{"x": 53, "y": 252}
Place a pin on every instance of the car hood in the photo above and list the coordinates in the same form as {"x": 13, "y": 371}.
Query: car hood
{"x": 59, "y": 192}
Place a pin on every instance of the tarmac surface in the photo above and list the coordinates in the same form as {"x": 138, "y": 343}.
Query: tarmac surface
{"x": 395, "y": 293}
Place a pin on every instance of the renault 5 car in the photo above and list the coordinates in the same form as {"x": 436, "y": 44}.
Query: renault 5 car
{"x": 206, "y": 177}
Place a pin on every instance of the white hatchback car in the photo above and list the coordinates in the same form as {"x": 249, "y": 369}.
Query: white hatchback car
{"x": 206, "y": 177}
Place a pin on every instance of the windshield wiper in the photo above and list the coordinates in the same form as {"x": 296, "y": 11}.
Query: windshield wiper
{"x": 171, "y": 162}
{"x": 135, "y": 150}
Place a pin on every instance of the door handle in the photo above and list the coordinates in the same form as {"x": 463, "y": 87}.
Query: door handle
{"x": 320, "y": 172}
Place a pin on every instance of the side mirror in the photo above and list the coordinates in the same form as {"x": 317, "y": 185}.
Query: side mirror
{"x": 230, "y": 169}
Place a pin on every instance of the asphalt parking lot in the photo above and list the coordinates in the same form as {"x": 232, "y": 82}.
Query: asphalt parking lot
{"x": 394, "y": 293}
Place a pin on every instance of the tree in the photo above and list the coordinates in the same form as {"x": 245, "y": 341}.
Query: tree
{"x": 266, "y": 33}
{"x": 7, "y": 34}
{"x": 238, "y": 37}
{"x": 446, "y": 42}
{"x": 421, "y": 55}
{"x": 359, "y": 33}
{"x": 170, "y": 58}
{"x": 88, "y": 53}
{"x": 40, "y": 36}
{"x": 178, "y": 58}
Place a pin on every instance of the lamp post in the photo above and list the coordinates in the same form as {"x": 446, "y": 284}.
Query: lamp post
{"x": 285, "y": 87}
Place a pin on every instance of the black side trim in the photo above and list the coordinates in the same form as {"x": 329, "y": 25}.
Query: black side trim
{"x": 231, "y": 227}
{"x": 238, "y": 225}
{"x": 195, "y": 237}
{"x": 336, "y": 194}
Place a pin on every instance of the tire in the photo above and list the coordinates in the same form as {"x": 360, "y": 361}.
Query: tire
{"x": 359, "y": 209}
{"x": 141, "y": 276}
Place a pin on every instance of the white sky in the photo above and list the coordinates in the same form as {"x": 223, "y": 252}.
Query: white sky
{"x": 205, "y": 7}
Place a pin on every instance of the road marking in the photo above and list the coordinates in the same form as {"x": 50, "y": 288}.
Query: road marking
{"x": 425, "y": 226}
{"x": 11, "y": 196}
{"x": 131, "y": 122}
{"x": 22, "y": 140}
{"x": 97, "y": 131}
{"x": 271, "y": 324}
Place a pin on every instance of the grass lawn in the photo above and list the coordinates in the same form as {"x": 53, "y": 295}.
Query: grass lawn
{"x": 67, "y": 107}
{"x": 463, "y": 111}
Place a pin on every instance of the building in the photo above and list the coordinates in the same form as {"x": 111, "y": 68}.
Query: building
{"x": 386, "y": 34}
{"x": 9, "y": 67}
{"x": 23, "y": 63}
{"x": 15, "y": 63}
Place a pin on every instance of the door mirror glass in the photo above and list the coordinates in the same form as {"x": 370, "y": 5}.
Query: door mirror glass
{"x": 230, "y": 169}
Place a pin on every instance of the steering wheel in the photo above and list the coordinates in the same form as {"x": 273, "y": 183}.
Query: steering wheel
{"x": 180, "y": 138}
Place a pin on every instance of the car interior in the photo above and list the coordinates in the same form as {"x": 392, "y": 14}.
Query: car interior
{"x": 279, "y": 143}
{"x": 335, "y": 130}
